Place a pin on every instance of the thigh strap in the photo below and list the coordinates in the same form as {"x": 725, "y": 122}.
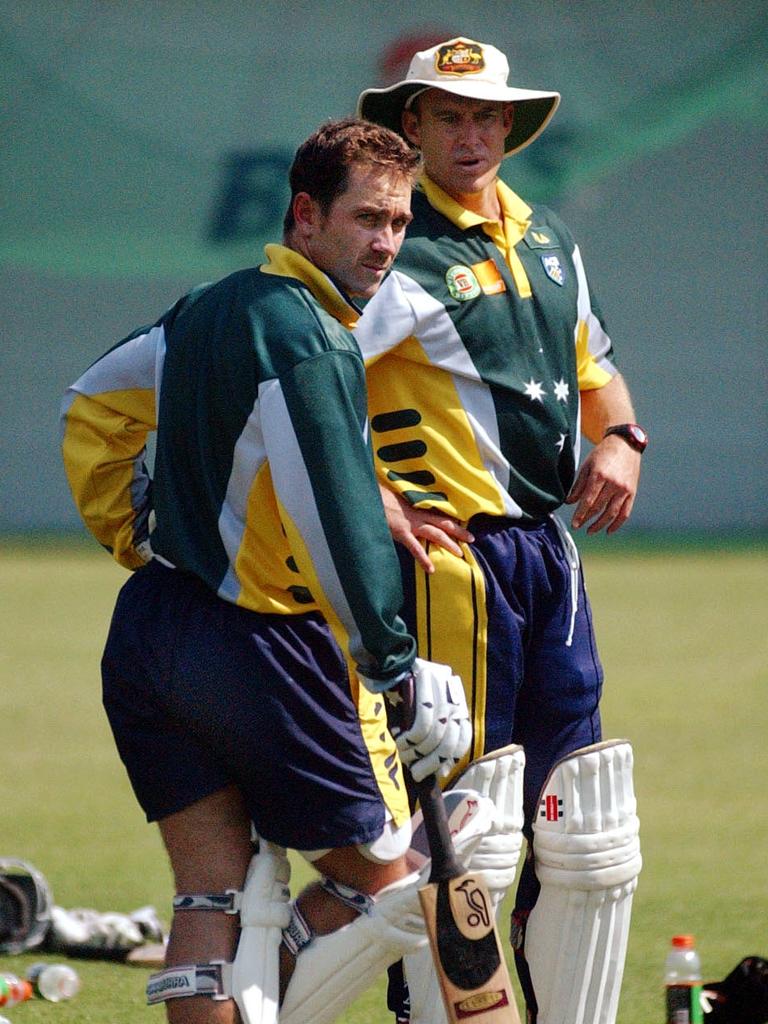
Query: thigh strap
{"x": 228, "y": 902}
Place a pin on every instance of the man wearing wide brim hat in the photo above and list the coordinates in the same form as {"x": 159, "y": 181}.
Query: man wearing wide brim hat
{"x": 487, "y": 359}
{"x": 464, "y": 68}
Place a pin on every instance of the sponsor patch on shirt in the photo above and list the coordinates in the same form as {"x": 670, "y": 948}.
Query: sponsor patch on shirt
{"x": 553, "y": 269}
{"x": 489, "y": 277}
{"x": 462, "y": 283}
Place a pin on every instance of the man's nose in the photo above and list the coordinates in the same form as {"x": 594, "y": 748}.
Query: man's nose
{"x": 470, "y": 132}
{"x": 384, "y": 240}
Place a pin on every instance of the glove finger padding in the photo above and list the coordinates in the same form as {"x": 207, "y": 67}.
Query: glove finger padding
{"x": 445, "y": 756}
{"x": 421, "y": 723}
{"x": 429, "y": 719}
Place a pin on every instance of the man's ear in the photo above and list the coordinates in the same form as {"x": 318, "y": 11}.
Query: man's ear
{"x": 410, "y": 124}
{"x": 509, "y": 116}
{"x": 305, "y": 212}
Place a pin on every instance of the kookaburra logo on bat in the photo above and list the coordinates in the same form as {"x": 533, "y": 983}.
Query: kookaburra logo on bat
{"x": 480, "y": 914}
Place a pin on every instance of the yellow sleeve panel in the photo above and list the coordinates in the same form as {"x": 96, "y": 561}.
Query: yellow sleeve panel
{"x": 103, "y": 445}
{"x": 591, "y": 376}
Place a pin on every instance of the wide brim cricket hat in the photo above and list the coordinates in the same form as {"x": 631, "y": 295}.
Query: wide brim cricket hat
{"x": 465, "y": 68}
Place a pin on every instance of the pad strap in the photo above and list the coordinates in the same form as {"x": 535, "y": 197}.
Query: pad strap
{"x": 213, "y": 979}
{"x": 298, "y": 934}
{"x": 229, "y": 901}
{"x": 357, "y": 901}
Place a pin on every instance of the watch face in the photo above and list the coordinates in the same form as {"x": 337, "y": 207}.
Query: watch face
{"x": 632, "y": 434}
{"x": 639, "y": 434}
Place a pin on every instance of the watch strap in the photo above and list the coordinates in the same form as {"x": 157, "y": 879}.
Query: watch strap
{"x": 632, "y": 433}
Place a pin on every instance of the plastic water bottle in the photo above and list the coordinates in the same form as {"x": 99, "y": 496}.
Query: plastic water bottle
{"x": 54, "y": 982}
{"x": 13, "y": 990}
{"x": 682, "y": 978}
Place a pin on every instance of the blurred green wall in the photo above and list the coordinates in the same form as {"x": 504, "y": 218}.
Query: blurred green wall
{"x": 144, "y": 149}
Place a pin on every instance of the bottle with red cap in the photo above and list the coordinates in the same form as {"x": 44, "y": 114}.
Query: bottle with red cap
{"x": 682, "y": 979}
{"x": 13, "y": 990}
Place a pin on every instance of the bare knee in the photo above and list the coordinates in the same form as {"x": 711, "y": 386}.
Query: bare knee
{"x": 324, "y": 912}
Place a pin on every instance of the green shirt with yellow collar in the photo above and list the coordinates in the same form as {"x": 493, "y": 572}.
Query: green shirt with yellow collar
{"x": 263, "y": 484}
{"x": 476, "y": 348}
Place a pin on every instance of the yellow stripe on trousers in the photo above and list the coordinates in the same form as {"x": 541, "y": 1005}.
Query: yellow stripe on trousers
{"x": 452, "y": 628}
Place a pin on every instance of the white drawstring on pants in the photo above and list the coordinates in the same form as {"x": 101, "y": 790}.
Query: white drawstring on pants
{"x": 571, "y": 553}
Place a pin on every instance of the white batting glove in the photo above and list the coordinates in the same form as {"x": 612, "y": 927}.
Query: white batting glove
{"x": 429, "y": 719}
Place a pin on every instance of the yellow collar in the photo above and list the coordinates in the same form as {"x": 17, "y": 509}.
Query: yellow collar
{"x": 286, "y": 262}
{"x": 513, "y": 208}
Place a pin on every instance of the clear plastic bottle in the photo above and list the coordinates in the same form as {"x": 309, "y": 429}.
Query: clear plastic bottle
{"x": 682, "y": 978}
{"x": 54, "y": 982}
{"x": 13, "y": 990}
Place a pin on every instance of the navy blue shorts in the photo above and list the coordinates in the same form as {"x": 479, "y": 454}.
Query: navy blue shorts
{"x": 201, "y": 693}
{"x": 503, "y": 619}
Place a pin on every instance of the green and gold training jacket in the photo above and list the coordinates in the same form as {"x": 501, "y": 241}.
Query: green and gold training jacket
{"x": 263, "y": 483}
{"x": 476, "y": 348}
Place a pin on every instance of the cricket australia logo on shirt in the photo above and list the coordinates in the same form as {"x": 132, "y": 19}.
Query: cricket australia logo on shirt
{"x": 553, "y": 269}
{"x": 462, "y": 283}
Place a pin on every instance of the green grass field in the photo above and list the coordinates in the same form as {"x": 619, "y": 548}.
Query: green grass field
{"x": 684, "y": 642}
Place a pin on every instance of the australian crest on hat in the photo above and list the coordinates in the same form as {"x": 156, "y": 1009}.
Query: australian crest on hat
{"x": 466, "y": 68}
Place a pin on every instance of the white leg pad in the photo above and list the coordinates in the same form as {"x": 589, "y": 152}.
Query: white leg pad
{"x": 264, "y": 912}
{"x": 498, "y": 777}
{"x": 334, "y": 969}
{"x": 587, "y": 857}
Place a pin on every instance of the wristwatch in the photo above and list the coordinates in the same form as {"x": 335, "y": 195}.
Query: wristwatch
{"x": 634, "y": 435}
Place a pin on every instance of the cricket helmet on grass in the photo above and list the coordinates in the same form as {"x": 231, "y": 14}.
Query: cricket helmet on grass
{"x": 25, "y": 906}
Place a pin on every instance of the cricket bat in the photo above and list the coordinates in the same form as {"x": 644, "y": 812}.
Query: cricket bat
{"x": 461, "y": 927}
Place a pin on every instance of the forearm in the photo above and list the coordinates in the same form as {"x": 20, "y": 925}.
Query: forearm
{"x": 604, "y": 407}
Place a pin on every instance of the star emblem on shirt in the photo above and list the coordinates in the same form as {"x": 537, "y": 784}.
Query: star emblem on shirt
{"x": 561, "y": 390}
{"x": 534, "y": 390}
{"x": 560, "y": 443}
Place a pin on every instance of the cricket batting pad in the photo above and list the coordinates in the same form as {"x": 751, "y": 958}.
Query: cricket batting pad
{"x": 587, "y": 858}
{"x": 498, "y": 777}
{"x": 332, "y": 970}
{"x": 264, "y": 912}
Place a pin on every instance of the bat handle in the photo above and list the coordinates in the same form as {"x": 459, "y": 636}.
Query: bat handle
{"x": 445, "y": 863}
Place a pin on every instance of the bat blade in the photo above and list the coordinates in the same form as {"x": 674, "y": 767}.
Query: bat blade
{"x": 469, "y": 961}
{"x": 461, "y": 927}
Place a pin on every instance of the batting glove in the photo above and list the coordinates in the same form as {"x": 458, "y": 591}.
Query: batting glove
{"x": 429, "y": 719}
